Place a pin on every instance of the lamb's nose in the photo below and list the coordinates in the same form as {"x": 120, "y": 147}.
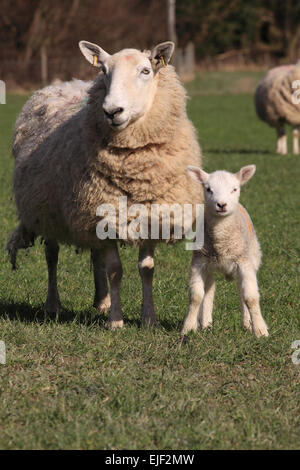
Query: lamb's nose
{"x": 112, "y": 112}
{"x": 221, "y": 206}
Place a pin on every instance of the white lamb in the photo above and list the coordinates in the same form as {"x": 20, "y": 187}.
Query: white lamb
{"x": 230, "y": 246}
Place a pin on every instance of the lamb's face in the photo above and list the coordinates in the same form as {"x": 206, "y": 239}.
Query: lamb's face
{"x": 222, "y": 192}
{"x": 221, "y": 188}
{"x": 130, "y": 78}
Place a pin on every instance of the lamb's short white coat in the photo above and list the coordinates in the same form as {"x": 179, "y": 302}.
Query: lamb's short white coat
{"x": 230, "y": 247}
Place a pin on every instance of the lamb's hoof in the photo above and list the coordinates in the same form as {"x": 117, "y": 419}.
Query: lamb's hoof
{"x": 104, "y": 305}
{"x": 114, "y": 325}
{"x": 248, "y": 326}
{"x": 258, "y": 332}
{"x": 187, "y": 329}
{"x": 189, "y": 326}
{"x": 205, "y": 326}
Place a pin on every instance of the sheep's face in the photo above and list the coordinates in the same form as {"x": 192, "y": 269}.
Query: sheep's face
{"x": 130, "y": 87}
{"x": 130, "y": 79}
{"x": 221, "y": 188}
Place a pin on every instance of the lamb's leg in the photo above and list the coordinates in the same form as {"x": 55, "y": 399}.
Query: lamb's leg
{"x": 197, "y": 293}
{"x": 146, "y": 270}
{"x": 245, "y": 312}
{"x": 208, "y": 302}
{"x": 249, "y": 289}
{"x": 296, "y": 141}
{"x": 51, "y": 251}
{"x": 114, "y": 272}
{"x": 281, "y": 140}
{"x": 102, "y": 297}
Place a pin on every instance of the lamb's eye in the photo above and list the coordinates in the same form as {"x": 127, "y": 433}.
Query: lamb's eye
{"x": 145, "y": 71}
{"x": 209, "y": 190}
{"x": 234, "y": 190}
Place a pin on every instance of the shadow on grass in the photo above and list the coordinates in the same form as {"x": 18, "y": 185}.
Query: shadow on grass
{"x": 27, "y": 313}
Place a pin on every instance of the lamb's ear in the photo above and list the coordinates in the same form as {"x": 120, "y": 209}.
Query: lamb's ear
{"x": 245, "y": 173}
{"x": 161, "y": 54}
{"x": 93, "y": 53}
{"x": 197, "y": 174}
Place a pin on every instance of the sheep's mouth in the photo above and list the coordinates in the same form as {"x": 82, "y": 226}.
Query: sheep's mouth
{"x": 222, "y": 211}
{"x": 118, "y": 125}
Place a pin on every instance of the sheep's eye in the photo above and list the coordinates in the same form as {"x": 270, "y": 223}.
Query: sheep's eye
{"x": 208, "y": 190}
{"x": 103, "y": 68}
{"x": 146, "y": 71}
{"x": 234, "y": 190}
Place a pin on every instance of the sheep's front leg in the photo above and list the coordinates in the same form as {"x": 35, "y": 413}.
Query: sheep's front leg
{"x": 246, "y": 318}
{"x": 51, "y": 251}
{"x": 114, "y": 272}
{"x": 197, "y": 292}
{"x": 281, "y": 140}
{"x": 296, "y": 141}
{"x": 250, "y": 295}
{"x": 206, "y": 308}
{"x": 146, "y": 270}
{"x": 102, "y": 297}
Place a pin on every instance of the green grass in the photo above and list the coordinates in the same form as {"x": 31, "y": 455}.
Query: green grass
{"x": 69, "y": 383}
{"x": 221, "y": 83}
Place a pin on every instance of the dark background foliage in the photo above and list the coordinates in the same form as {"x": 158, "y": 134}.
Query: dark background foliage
{"x": 260, "y": 28}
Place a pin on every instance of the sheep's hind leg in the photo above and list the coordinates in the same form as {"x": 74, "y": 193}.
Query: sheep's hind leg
{"x": 146, "y": 270}
{"x": 51, "y": 251}
{"x": 296, "y": 141}
{"x": 102, "y": 298}
{"x": 250, "y": 294}
{"x": 114, "y": 272}
{"x": 281, "y": 140}
{"x": 197, "y": 293}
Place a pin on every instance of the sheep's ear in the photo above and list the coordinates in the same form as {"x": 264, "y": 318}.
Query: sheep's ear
{"x": 161, "y": 54}
{"x": 197, "y": 174}
{"x": 245, "y": 173}
{"x": 93, "y": 53}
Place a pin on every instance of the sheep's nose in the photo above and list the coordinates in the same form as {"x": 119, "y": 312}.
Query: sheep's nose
{"x": 112, "y": 112}
{"x": 221, "y": 206}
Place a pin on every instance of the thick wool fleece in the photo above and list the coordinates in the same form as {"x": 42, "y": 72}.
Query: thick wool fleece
{"x": 68, "y": 162}
{"x": 273, "y": 96}
{"x": 231, "y": 238}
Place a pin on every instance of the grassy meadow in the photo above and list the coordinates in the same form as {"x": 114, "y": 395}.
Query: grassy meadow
{"x": 68, "y": 383}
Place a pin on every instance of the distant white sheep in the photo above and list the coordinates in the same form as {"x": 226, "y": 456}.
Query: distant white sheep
{"x": 275, "y": 104}
{"x": 230, "y": 246}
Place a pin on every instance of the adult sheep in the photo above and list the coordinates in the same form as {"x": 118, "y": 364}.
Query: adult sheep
{"x": 131, "y": 138}
{"x": 275, "y": 104}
